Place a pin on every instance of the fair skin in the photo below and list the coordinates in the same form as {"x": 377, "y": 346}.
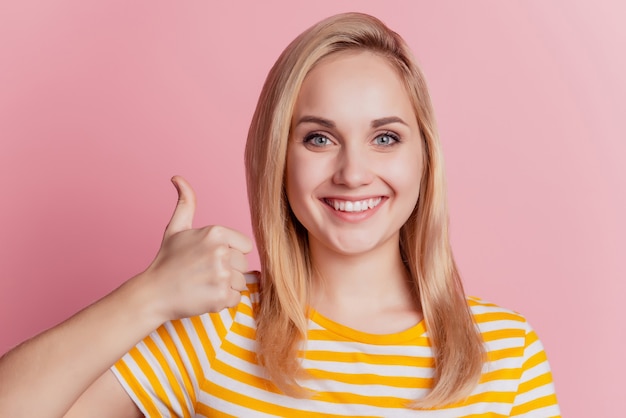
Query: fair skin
{"x": 354, "y": 164}
{"x": 195, "y": 271}
{"x": 371, "y": 153}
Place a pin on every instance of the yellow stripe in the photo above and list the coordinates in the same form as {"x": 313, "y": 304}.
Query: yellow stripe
{"x": 207, "y": 411}
{"x": 497, "y": 316}
{"x": 171, "y": 379}
{"x": 148, "y": 371}
{"x": 531, "y": 338}
{"x": 245, "y": 309}
{"x": 241, "y": 376}
{"x": 489, "y": 396}
{"x": 324, "y": 335}
{"x": 544, "y": 379}
{"x": 242, "y": 353}
{"x": 254, "y": 404}
{"x": 205, "y": 341}
{"x": 502, "y": 334}
{"x": 189, "y": 350}
{"x": 475, "y": 301}
{"x": 505, "y": 353}
{"x": 144, "y": 398}
{"x": 536, "y": 359}
{"x": 171, "y": 348}
{"x": 216, "y": 320}
{"x": 548, "y": 400}
{"x": 353, "y": 398}
{"x": 384, "y": 359}
{"x": 243, "y": 330}
{"x": 501, "y": 374}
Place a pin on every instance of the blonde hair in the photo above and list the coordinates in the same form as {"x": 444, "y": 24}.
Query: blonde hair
{"x": 282, "y": 241}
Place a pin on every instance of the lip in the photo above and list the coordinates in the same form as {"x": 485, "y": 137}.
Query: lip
{"x": 352, "y": 217}
{"x": 353, "y": 198}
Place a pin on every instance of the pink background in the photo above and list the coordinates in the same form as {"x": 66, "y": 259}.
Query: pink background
{"x": 102, "y": 102}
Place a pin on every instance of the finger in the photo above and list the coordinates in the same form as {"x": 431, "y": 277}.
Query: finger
{"x": 239, "y": 241}
{"x": 238, "y": 282}
{"x": 234, "y": 297}
{"x": 182, "y": 219}
{"x": 238, "y": 260}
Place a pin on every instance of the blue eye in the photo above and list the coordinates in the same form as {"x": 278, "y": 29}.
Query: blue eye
{"x": 386, "y": 139}
{"x": 317, "y": 140}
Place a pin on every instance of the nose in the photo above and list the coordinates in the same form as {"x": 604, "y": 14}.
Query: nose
{"x": 353, "y": 168}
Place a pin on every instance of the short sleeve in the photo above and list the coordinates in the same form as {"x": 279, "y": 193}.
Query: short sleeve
{"x": 535, "y": 395}
{"x": 160, "y": 373}
{"x": 164, "y": 372}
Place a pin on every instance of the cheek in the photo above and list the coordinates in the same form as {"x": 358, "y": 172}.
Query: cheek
{"x": 305, "y": 173}
{"x": 298, "y": 180}
{"x": 405, "y": 175}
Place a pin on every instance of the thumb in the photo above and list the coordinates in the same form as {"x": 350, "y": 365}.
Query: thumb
{"x": 182, "y": 219}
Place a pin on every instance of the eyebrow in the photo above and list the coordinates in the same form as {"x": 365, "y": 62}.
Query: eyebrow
{"x": 376, "y": 123}
{"x": 315, "y": 119}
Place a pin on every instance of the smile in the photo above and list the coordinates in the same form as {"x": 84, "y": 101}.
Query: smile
{"x": 353, "y": 206}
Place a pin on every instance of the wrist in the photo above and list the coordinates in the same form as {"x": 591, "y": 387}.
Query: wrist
{"x": 145, "y": 303}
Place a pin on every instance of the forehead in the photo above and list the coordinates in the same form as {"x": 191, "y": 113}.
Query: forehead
{"x": 356, "y": 81}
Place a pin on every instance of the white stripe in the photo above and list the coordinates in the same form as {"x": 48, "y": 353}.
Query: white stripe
{"x": 536, "y": 393}
{"x": 535, "y": 371}
{"x": 369, "y": 390}
{"x": 241, "y": 342}
{"x": 203, "y": 358}
{"x": 498, "y": 385}
{"x": 389, "y": 370}
{"x": 183, "y": 354}
{"x": 506, "y": 363}
{"x": 174, "y": 368}
{"x": 501, "y": 325}
{"x": 245, "y": 319}
{"x": 241, "y": 365}
{"x": 504, "y": 343}
{"x": 136, "y": 371}
{"x": 547, "y": 411}
{"x": 271, "y": 397}
{"x": 356, "y": 347}
{"x": 534, "y": 348}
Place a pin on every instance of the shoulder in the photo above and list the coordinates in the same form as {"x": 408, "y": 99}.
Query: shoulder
{"x": 500, "y": 327}
{"x": 485, "y": 313}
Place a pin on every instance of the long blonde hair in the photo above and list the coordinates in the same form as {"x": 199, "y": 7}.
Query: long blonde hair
{"x": 282, "y": 241}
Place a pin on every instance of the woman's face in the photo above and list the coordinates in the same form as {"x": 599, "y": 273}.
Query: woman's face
{"x": 354, "y": 159}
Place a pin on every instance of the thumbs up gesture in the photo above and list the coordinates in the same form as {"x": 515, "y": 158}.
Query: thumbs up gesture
{"x": 197, "y": 270}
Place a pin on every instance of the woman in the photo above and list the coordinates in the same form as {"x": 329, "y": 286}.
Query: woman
{"x": 358, "y": 309}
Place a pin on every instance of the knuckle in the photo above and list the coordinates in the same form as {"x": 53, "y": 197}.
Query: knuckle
{"x": 221, "y": 251}
{"x": 221, "y": 292}
{"x": 216, "y": 232}
{"x": 222, "y": 276}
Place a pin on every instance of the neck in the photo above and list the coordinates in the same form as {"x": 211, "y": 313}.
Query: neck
{"x": 376, "y": 280}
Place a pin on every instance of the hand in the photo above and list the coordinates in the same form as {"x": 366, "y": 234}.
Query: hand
{"x": 197, "y": 270}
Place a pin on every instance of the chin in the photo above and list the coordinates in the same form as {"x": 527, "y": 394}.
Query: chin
{"x": 354, "y": 247}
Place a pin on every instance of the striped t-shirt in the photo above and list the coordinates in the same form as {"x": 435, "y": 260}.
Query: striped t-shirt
{"x": 206, "y": 366}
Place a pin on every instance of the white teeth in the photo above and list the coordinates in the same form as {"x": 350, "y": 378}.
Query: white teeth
{"x": 359, "y": 206}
